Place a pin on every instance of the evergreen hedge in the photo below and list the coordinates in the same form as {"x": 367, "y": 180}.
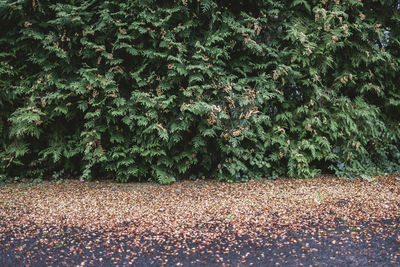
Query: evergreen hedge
{"x": 165, "y": 90}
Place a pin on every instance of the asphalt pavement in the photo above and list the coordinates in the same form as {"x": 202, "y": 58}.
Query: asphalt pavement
{"x": 337, "y": 244}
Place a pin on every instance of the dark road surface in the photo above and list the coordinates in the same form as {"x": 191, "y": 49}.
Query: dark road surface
{"x": 368, "y": 244}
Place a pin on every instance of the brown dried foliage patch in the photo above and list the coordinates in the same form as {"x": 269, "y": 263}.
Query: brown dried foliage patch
{"x": 193, "y": 208}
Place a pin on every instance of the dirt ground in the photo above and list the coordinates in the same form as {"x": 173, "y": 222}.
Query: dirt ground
{"x": 314, "y": 222}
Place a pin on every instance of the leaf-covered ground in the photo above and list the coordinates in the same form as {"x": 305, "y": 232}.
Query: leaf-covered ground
{"x": 325, "y": 221}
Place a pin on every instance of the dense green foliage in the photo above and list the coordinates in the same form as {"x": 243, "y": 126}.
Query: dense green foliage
{"x": 165, "y": 90}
